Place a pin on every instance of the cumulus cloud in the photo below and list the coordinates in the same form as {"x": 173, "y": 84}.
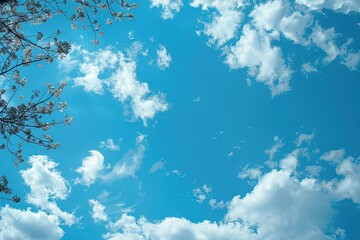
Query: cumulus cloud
{"x": 127, "y": 227}
{"x": 46, "y": 185}
{"x": 105, "y": 69}
{"x": 343, "y": 6}
{"x": 270, "y": 22}
{"x": 163, "y": 59}
{"x": 282, "y": 205}
{"x": 90, "y": 168}
{"x": 265, "y": 62}
{"x": 27, "y": 225}
{"x": 278, "y": 16}
{"x": 349, "y": 185}
{"x": 97, "y": 211}
{"x": 129, "y": 164}
{"x": 169, "y": 7}
{"x": 225, "y": 20}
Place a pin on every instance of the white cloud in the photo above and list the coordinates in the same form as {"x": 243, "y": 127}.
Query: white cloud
{"x": 282, "y": 205}
{"x": 169, "y": 7}
{"x": 349, "y": 186}
{"x": 97, "y": 211}
{"x": 163, "y": 58}
{"x": 90, "y": 168}
{"x": 251, "y": 173}
{"x": 218, "y": 4}
{"x": 127, "y": 227}
{"x": 275, "y": 148}
{"x": 333, "y": 155}
{"x": 225, "y": 22}
{"x": 265, "y": 63}
{"x": 223, "y": 27}
{"x": 109, "y": 144}
{"x": 343, "y": 6}
{"x": 308, "y": 68}
{"x": 217, "y": 204}
{"x": 27, "y": 225}
{"x": 115, "y": 72}
{"x": 277, "y": 16}
{"x": 351, "y": 60}
{"x": 46, "y": 185}
{"x": 129, "y": 164}
{"x": 324, "y": 39}
{"x": 201, "y": 194}
{"x": 157, "y": 166}
{"x": 304, "y": 138}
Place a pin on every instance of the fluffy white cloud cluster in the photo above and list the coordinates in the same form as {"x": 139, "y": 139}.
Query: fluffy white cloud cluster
{"x": 169, "y": 7}
{"x": 115, "y": 72}
{"x": 270, "y": 22}
{"x": 163, "y": 59}
{"x": 225, "y": 23}
{"x": 282, "y": 205}
{"x": 46, "y": 186}
{"x": 98, "y": 211}
{"x": 27, "y": 225}
{"x": 265, "y": 63}
{"x": 343, "y": 6}
{"x": 128, "y": 165}
{"x": 90, "y": 169}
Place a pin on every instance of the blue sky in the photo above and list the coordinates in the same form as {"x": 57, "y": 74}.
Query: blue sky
{"x": 200, "y": 119}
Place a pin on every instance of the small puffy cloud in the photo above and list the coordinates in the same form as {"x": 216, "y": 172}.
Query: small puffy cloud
{"x": 46, "y": 185}
{"x": 251, "y": 173}
{"x": 130, "y": 163}
{"x": 109, "y": 144}
{"x": 333, "y": 155}
{"x": 351, "y": 60}
{"x": 163, "y": 59}
{"x": 265, "y": 62}
{"x": 97, "y": 211}
{"x": 90, "y": 168}
{"x": 275, "y": 148}
{"x": 157, "y": 166}
{"x": 304, "y": 138}
{"x": 217, "y": 204}
{"x": 200, "y": 194}
{"x": 349, "y": 186}
{"x": 107, "y": 70}
{"x": 169, "y": 7}
{"x": 308, "y": 68}
{"x": 27, "y": 225}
